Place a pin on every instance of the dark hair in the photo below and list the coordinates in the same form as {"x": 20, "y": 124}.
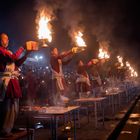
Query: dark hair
{"x": 2, "y": 34}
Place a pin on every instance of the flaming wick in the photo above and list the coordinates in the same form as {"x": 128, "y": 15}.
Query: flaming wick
{"x": 44, "y": 29}
{"x": 103, "y": 54}
{"x": 79, "y": 40}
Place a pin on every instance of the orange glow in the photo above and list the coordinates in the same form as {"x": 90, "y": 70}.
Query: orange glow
{"x": 103, "y": 54}
{"x": 44, "y": 27}
{"x": 103, "y": 50}
{"x": 127, "y": 64}
{"x": 79, "y": 40}
{"x": 120, "y": 60}
{"x": 132, "y": 72}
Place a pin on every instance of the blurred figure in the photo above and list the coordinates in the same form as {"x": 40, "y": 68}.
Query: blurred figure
{"x": 83, "y": 85}
{"x": 57, "y": 83}
{"x": 96, "y": 84}
{"x": 31, "y": 86}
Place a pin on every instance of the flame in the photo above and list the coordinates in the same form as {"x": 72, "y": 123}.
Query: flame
{"x": 132, "y": 72}
{"x": 127, "y": 64}
{"x": 120, "y": 60}
{"x": 103, "y": 50}
{"x": 103, "y": 54}
{"x": 135, "y": 74}
{"x": 44, "y": 28}
{"x": 79, "y": 40}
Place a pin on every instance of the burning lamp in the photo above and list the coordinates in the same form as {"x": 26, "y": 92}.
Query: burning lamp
{"x": 31, "y": 45}
{"x": 103, "y": 54}
{"x": 80, "y": 43}
{"x": 44, "y": 30}
{"x": 43, "y": 43}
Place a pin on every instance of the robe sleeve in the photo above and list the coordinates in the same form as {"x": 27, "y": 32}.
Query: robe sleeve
{"x": 20, "y": 61}
{"x": 88, "y": 65}
{"x": 6, "y": 56}
{"x": 61, "y": 56}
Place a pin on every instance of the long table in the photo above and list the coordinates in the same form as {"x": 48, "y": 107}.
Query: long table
{"x": 115, "y": 97}
{"x": 112, "y": 96}
{"x": 95, "y": 101}
{"x": 53, "y": 113}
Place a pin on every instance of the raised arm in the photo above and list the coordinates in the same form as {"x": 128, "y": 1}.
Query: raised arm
{"x": 7, "y": 56}
{"x": 65, "y": 54}
{"x": 91, "y": 63}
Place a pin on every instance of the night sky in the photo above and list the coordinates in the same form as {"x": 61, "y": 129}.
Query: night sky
{"x": 117, "y": 21}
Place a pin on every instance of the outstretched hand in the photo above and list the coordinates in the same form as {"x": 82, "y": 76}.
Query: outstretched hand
{"x": 74, "y": 49}
{"x": 95, "y": 61}
{"x": 77, "y": 49}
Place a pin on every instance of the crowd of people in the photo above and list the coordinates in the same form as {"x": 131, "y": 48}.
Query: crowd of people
{"x": 45, "y": 86}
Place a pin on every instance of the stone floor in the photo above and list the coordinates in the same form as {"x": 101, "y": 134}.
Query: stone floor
{"x": 131, "y": 129}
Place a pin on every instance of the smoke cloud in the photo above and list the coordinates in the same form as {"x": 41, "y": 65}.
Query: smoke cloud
{"x": 99, "y": 21}
{"x": 100, "y": 17}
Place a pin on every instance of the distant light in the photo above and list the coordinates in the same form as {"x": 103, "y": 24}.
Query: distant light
{"x": 36, "y": 57}
{"x": 41, "y": 57}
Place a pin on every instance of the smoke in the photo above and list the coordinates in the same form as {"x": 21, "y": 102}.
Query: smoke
{"x": 72, "y": 17}
{"x": 48, "y": 6}
{"x": 98, "y": 20}
{"x": 96, "y": 16}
